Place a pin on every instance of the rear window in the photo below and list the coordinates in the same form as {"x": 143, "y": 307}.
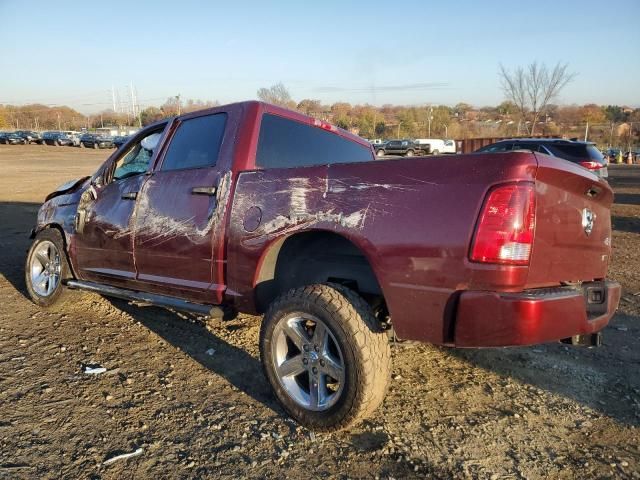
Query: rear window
{"x": 285, "y": 143}
{"x": 577, "y": 152}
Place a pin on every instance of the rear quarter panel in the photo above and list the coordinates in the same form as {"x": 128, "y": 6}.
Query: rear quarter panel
{"x": 412, "y": 218}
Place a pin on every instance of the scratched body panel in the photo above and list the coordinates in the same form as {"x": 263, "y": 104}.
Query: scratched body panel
{"x": 412, "y": 218}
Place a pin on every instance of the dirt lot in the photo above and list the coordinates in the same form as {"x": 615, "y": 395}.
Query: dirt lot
{"x": 548, "y": 411}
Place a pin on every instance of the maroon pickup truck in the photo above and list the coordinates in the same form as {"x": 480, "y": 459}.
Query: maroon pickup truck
{"x": 253, "y": 208}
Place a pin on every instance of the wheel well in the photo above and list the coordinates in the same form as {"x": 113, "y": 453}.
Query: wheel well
{"x": 314, "y": 257}
{"x": 65, "y": 243}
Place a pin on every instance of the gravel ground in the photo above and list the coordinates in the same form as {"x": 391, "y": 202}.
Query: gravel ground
{"x": 189, "y": 399}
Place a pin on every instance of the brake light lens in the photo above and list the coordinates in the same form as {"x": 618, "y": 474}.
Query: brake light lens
{"x": 504, "y": 233}
{"x": 325, "y": 125}
{"x": 592, "y": 165}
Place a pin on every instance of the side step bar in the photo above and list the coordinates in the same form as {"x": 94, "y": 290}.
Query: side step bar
{"x": 212, "y": 311}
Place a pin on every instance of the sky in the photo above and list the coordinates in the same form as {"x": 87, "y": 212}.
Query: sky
{"x": 401, "y": 52}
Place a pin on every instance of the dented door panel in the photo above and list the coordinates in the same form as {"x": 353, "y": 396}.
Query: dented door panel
{"x": 104, "y": 243}
{"x": 174, "y": 232}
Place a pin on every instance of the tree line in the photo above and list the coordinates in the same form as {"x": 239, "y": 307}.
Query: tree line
{"x": 528, "y": 109}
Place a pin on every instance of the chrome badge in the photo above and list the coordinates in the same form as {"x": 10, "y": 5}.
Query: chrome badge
{"x": 588, "y": 218}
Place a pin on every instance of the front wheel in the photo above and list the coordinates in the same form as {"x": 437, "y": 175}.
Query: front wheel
{"x": 380, "y": 153}
{"x": 325, "y": 355}
{"x": 409, "y": 153}
{"x": 46, "y": 267}
{"x": 435, "y": 152}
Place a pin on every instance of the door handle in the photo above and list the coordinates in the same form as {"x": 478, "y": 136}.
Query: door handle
{"x": 211, "y": 191}
{"x": 130, "y": 196}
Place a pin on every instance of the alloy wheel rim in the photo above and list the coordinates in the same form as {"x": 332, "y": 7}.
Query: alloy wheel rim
{"x": 308, "y": 361}
{"x": 45, "y": 268}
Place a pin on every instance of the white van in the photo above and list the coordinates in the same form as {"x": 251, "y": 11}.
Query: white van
{"x": 438, "y": 145}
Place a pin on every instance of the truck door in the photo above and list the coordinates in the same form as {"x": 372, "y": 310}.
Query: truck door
{"x": 104, "y": 239}
{"x": 179, "y": 235}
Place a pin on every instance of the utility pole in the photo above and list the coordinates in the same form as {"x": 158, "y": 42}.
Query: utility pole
{"x": 374, "y": 123}
{"x": 611, "y": 135}
{"x": 586, "y": 131}
{"x": 133, "y": 100}
{"x": 113, "y": 98}
{"x": 59, "y": 127}
{"x": 178, "y": 103}
{"x": 430, "y": 117}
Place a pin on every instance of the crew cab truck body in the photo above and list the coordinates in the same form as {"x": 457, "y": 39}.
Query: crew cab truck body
{"x": 253, "y": 208}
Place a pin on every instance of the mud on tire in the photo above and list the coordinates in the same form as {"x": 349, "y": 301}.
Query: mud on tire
{"x": 354, "y": 337}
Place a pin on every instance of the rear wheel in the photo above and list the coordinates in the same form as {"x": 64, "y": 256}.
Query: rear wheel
{"x": 325, "y": 355}
{"x": 436, "y": 152}
{"x": 409, "y": 153}
{"x": 46, "y": 267}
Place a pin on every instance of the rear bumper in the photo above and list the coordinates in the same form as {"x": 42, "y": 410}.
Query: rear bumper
{"x": 490, "y": 319}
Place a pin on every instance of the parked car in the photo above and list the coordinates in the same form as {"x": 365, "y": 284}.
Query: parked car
{"x": 73, "y": 136}
{"x": 405, "y": 148}
{"x": 91, "y": 140}
{"x": 48, "y": 137}
{"x": 234, "y": 208}
{"x": 436, "y": 146}
{"x": 29, "y": 136}
{"x": 12, "y": 138}
{"x": 583, "y": 153}
{"x": 120, "y": 140}
{"x": 56, "y": 138}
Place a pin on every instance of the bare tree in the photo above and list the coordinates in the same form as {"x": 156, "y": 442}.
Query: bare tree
{"x": 276, "y": 94}
{"x": 532, "y": 88}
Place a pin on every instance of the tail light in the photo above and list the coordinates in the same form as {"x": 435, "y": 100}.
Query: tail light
{"x": 592, "y": 165}
{"x": 504, "y": 233}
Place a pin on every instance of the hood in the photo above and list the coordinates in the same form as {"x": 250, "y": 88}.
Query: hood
{"x": 67, "y": 187}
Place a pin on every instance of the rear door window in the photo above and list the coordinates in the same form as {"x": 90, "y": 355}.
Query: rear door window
{"x": 196, "y": 143}
{"x": 287, "y": 143}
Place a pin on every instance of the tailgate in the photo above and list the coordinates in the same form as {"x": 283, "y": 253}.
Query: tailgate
{"x": 573, "y": 224}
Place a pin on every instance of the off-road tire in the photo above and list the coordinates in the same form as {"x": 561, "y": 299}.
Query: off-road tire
{"x": 365, "y": 347}
{"x": 61, "y": 293}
